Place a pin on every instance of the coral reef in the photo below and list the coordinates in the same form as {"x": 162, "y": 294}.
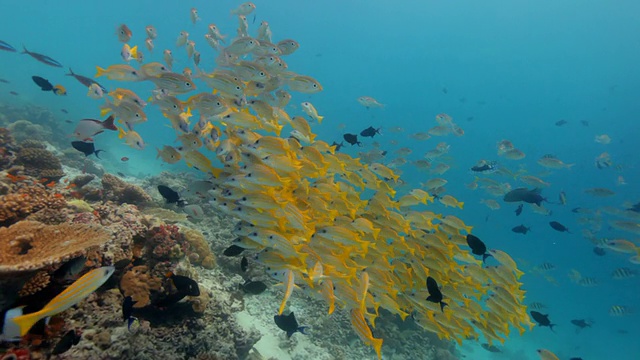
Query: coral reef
{"x": 40, "y": 163}
{"x": 166, "y": 215}
{"x": 38, "y": 282}
{"x": 82, "y": 180}
{"x": 122, "y": 192}
{"x": 199, "y": 252}
{"x": 8, "y": 148}
{"x": 26, "y": 199}
{"x": 26, "y": 130}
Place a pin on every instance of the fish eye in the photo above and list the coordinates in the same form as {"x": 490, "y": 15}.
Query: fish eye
{"x": 315, "y": 86}
{"x": 244, "y": 198}
{"x": 188, "y": 84}
{"x": 137, "y": 115}
{"x": 254, "y": 234}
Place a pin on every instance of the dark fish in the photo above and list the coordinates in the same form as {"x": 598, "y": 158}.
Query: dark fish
{"x": 233, "y": 250}
{"x": 575, "y": 358}
{"x": 185, "y": 285}
{"x": 524, "y": 195}
{"x": 68, "y": 340}
{"x": 561, "y": 122}
{"x": 127, "y": 311}
{"x": 584, "y": 123}
{"x": 576, "y": 210}
{"x": 541, "y": 319}
{"x": 121, "y": 174}
{"x": 121, "y": 264}
{"x": 352, "y": 139}
{"x": 581, "y": 323}
{"x": 444, "y": 90}
{"x": 370, "y": 132}
{"x": 85, "y": 80}
{"x": 338, "y": 146}
{"x": 435, "y": 295}
{"x": 559, "y": 227}
{"x": 491, "y": 348}
{"x": 40, "y": 57}
{"x": 70, "y": 270}
{"x": 170, "y": 196}
{"x": 521, "y": 229}
{"x": 13, "y": 93}
{"x": 5, "y": 81}
{"x": 6, "y": 47}
{"x": 43, "y": 83}
{"x": 289, "y": 324}
{"x": 477, "y": 246}
{"x": 486, "y": 167}
{"x": 254, "y": 19}
{"x": 599, "y": 251}
{"x": 68, "y": 121}
{"x": 64, "y": 111}
{"x": 635, "y": 208}
{"x": 244, "y": 263}
{"x": 253, "y": 287}
{"x": 87, "y": 148}
{"x": 519, "y": 210}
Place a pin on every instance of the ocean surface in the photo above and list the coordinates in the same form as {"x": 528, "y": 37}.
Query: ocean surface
{"x": 503, "y": 70}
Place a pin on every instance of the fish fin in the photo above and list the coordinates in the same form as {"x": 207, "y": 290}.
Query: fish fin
{"x": 121, "y": 133}
{"x": 134, "y": 52}
{"x": 108, "y": 123}
{"x": 461, "y": 204}
{"x": 70, "y": 73}
{"x": 97, "y": 152}
{"x": 100, "y": 71}
{"x": 25, "y": 322}
{"x": 320, "y": 119}
{"x": 104, "y": 111}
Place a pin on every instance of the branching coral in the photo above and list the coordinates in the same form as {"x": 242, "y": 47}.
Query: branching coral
{"x": 121, "y": 192}
{"x": 30, "y": 245}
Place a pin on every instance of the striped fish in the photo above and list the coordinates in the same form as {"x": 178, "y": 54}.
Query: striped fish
{"x": 623, "y": 273}
{"x": 76, "y": 292}
{"x": 620, "y": 310}
{"x": 364, "y": 332}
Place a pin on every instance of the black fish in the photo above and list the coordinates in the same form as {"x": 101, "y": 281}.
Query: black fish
{"x": 127, "y": 311}
{"x": 6, "y": 47}
{"x": 87, "y": 148}
{"x": 491, "y": 348}
{"x": 184, "y": 285}
{"x": 233, "y": 250}
{"x": 253, "y": 287}
{"x": 584, "y": 123}
{"x": 44, "y": 84}
{"x": 70, "y": 270}
{"x": 171, "y": 196}
{"x": 599, "y": 251}
{"x": 289, "y": 324}
{"x": 40, "y": 57}
{"x": 370, "y": 132}
{"x": 635, "y": 208}
{"x": 581, "y": 323}
{"x": 541, "y": 319}
{"x": 352, "y": 139}
{"x": 519, "y": 210}
{"x": 68, "y": 340}
{"x": 5, "y": 81}
{"x": 121, "y": 174}
{"x": 576, "y": 210}
{"x": 85, "y": 80}
{"x": 65, "y": 111}
{"x": 338, "y": 146}
{"x": 559, "y": 227}
{"x": 244, "y": 263}
{"x": 521, "y": 229}
{"x": 484, "y": 167}
{"x": 435, "y": 295}
{"x": 477, "y": 246}
{"x": 524, "y": 195}
{"x": 561, "y": 122}
{"x": 574, "y": 358}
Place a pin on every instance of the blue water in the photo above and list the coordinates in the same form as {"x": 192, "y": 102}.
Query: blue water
{"x": 515, "y": 67}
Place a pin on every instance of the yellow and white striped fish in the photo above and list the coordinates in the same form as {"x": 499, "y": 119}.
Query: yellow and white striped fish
{"x": 76, "y": 292}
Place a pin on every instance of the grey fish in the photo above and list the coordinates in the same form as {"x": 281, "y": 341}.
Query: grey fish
{"x": 524, "y": 195}
{"x": 6, "y": 47}
{"x": 85, "y": 80}
{"x": 42, "y": 58}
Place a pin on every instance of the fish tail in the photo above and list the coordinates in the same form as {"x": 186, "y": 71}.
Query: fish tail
{"x": 25, "y": 322}
{"x": 121, "y": 133}
{"x": 97, "y": 152}
{"x": 70, "y": 73}
{"x": 377, "y": 346}
{"x": 302, "y": 329}
{"x": 24, "y": 50}
{"x": 108, "y": 123}
{"x": 442, "y": 305}
{"x": 320, "y": 119}
{"x": 100, "y": 71}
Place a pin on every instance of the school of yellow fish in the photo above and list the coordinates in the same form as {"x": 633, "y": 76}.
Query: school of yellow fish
{"x": 312, "y": 215}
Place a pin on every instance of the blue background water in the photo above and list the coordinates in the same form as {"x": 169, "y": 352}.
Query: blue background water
{"x": 515, "y": 67}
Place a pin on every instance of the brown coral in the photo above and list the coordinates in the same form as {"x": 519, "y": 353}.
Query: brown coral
{"x": 49, "y": 216}
{"x": 82, "y": 180}
{"x": 121, "y": 192}
{"x": 40, "y": 163}
{"x": 199, "y": 246}
{"x": 139, "y": 284}
{"x": 7, "y": 148}
{"x": 38, "y": 282}
{"x": 30, "y": 245}
{"x": 25, "y": 200}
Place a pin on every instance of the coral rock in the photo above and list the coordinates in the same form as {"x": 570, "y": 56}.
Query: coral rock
{"x": 199, "y": 245}
{"x": 38, "y": 282}
{"x": 7, "y": 148}
{"x": 82, "y": 180}
{"x": 121, "y": 192}
{"x": 30, "y": 245}
{"x": 25, "y": 200}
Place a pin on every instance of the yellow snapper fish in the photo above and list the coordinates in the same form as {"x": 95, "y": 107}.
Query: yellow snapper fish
{"x": 304, "y": 84}
{"x": 151, "y": 31}
{"x": 153, "y": 69}
{"x": 369, "y": 102}
{"x": 168, "y": 154}
{"x": 244, "y": 9}
{"x": 450, "y": 201}
{"x": 131, "y": 138}
{"x": 167, "y": 56}
{"x": 129, "y": 53}
{"x": 119, "y": 72}
{"x": 149, "y": 44}
{"x": 125, "y": 95}
{"x": 199, "y": 161}
{"x": 241, "y": 46}
{"x": 215, "y": 33}
{"x": 310, "y": 110}
{"x": 95, "y": 91}
{"x": 194, "y": 15}
{"x": 288, "y": 46}
{"x": 182, "y": 38}
{"x": 75, "y": 293}
{"x": 546, "y": 355}
{"x": 364, "y": 332}
{"x": 173, "y": 82}
{"x": 289, "y": 283}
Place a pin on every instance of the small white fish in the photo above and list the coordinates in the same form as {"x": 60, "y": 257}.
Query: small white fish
{"x": 95, "y": 91}
{"x": 194, "y": 211}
